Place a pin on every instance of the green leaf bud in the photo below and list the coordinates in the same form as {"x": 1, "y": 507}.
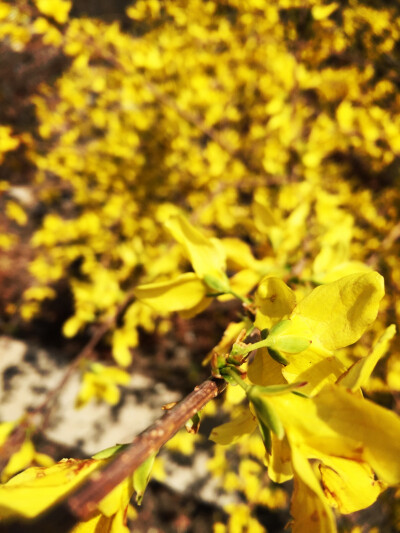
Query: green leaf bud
{"x": 291, "y": 343}
{"x": 110, "y": 452}
{"x": 225, "y": 373}
{"x": 193, "y": 424}
{"x": 280, "y": 327}
{"x": 266, "y": 436}
{"x": 265, "y": 413}
{"x": 238, "y": 350}
{"x": 141, "y": 478}
{"x": 277, "y": 356}
{"x": 274, "y": 390}
{"x": 219, "y": 285}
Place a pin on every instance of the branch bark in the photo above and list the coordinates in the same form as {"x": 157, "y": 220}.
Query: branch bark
{"x": 83, "y": 502}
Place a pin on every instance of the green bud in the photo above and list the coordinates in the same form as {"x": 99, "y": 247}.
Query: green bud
{"x": 221, "y": 362}
{"x": 221, "y": 286}
{"x": 266, "y": 436}
{"x": 225, "y": 374}
{"x": 265, "y": 413}
{"x": 277, "y": 356}
{"x": 193, "y": 424}
{"x": 274, "y": 390}
{"x": 141, "y": 478}
{"x": 238, "y": 350}
{"x": 291, "y": 343}
{"x": 280, "y": 327}
{"x": 109, "y": 452}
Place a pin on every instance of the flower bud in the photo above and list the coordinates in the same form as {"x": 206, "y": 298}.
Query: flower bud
{"x": 265, "y": 414}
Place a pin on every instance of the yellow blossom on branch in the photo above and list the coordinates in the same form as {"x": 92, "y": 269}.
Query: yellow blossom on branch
{"x": 100, "y": 383}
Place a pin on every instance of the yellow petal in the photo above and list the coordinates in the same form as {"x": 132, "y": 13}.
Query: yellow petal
{"x": 340, "y": 271}
{"x": 19, "y": 460}
{"x": 238, "y": 254}
{"x": 43, "y": 459}
{"x": 323, "y": 12}
{"x": 15, "y": 212}
{"x": 87, "y": 391}
{"x": 340, "y": 423}
{"x": 279, "y": 462}
{"x": 117, "y": 499}
{"x": 356, "y": 418}
{"x": 274, "y": 300}
{"x": 267, "y": 221}
{"x": 206, "y": 255}
{"x": 72, "y": 326}
{"x": 232, "y": 431}
{"x": 33, "y": 491}
{"x": 112, "y": 373}
{"x": 123, "y": 340}
{"x": 182, "y": 293}
{"x": 241, "y": 283}
{"x": 316, "y": 369}
{"x": 348, "y": 485}
{"x": 358, "y": 374}
{"x": 337, "y": 314}
{"x": 193, "y": 311}
{"x": 110, "y": 394}
{"x": 57, "y": 9}
{"x": 263, "y": 370}
{"x": 309, "y": 509}
{"x": 98, "y": 522}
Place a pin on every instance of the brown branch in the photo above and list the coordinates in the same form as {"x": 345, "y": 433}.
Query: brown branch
{"x": 83, "y": 502}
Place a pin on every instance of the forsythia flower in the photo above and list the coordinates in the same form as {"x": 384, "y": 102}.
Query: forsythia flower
{"x": 189, "y": 292}
{"x": 32, "y": 492}
{"x": 349, "y": 438}
{"x": 25, "y": 456}
{"x": 100, "y": 382}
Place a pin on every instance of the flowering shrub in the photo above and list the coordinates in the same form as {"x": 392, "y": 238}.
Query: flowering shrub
{"x": 219, "y": 151}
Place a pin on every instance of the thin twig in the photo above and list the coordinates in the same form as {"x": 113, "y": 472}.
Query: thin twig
{"x": 83, "y": 502}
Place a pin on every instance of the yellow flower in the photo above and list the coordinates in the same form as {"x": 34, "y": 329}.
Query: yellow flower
{"x": 189, "y": 293}
{"x": 274, "y": 301}
{"x": 351, "y": 438}
{"x": 101, "y": 383}
{"x": 31, "y": 492}
{"x": 332, "y": 316}
{"x": 337, "y": 314}
{"x": 57, "y": 9}
{"x": 34, "y": 491}
{"x": 186, "y": 292}
{"x": 23, "y": 457}
{"x": 207, "y": 256}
